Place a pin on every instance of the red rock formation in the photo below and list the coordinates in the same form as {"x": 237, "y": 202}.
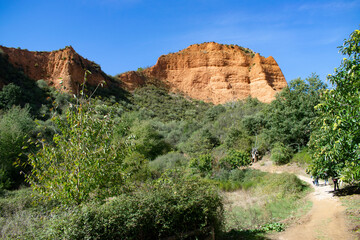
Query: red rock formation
{"x": 215, "y": 73}
{"x": 132, "y": 80}
{"x": 63, "y": 69}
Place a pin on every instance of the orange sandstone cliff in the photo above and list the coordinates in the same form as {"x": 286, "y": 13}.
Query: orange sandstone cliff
{"x": 63, "y": 69}
{"x": 215, "y": 73}
{"x": 210, "y": 71}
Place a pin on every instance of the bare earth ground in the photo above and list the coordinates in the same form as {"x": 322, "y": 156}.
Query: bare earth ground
{"x": 326, "y": 219}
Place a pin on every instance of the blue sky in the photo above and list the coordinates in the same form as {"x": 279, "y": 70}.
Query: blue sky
{"x": 123, "y": 35}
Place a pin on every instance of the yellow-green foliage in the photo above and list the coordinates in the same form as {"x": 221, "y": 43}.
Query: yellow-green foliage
{"x": 83, "y": 162}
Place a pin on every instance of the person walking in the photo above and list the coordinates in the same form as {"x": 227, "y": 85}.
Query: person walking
{"x": 326, "y": 179}
{"x": 316, "y": 181}
{"x": 336, "y": 183}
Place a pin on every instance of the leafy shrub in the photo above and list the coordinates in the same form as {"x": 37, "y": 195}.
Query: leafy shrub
{"x": 200, "y": 142}
{"x": 214, "y": 112}
{"x": 202, "y": 164}
{"x": 10, "y": 95}
{"x": 238, "y": 179}
{"x": 221, "y": 174}
{"x": 302, "y": 157}
{"x": 170, "y": 208}
{"x": 235, "y": 159}
{"x": 171, "y": 160}
{"x": 158, "y": 103}
{"x": 146, "y": 140}
{"x": 177, "y": 132}
{"x": 23, "y": 216}
{"x": 15, "y": 125}
{"x": 276, "y": 226}
{"x": 280, "y": 154}
{"x": 238, "y": 139}
{"x": 83, "y": 162}
{"x": 13, "y": 201}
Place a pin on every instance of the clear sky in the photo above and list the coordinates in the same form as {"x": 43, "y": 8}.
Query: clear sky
{"x": 123, "y": 35}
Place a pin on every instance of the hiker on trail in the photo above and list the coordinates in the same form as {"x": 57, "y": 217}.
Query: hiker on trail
{"x": 316, "y": 181}
{"x": 326, "y": 178}
{"x": 336, "y": 183}
{"x": 254, "y": 155}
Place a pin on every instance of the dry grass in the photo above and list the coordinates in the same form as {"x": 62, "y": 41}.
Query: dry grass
{"x": 263, "y": 203}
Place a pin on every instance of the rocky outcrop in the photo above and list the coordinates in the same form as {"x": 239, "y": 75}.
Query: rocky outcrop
{"x": 210, "y": 72}
{"x": 215, "y": 73}
{"x": 63, "y": 69}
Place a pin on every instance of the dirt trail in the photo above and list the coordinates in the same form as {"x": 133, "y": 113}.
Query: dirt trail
{"x": 326, "y": 219}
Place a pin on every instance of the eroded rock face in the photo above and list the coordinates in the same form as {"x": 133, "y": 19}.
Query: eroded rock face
{"x": 64, "y": 69}
{"x": 215, "y": 73}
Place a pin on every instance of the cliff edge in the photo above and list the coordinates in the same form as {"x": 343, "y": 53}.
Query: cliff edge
{"x": 215, "y": 73}
{"x": 63, "y": 69}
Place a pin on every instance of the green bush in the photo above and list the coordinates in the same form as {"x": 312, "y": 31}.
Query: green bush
{"x": 170, "y": 208}
{"x": 280, "y": 154}
{"x": 15, "y": 201}
{"x": 171, "y": 160}
{"x": 302, "y": 157}
{"x": 15, "y": 125}
{"x": 10, "y": 95}
{"x": 237, "y": 138}
{"x": 146, "y": 140}
{"x": 238, "y": 179}
{"x": 235, "y": 159}
{"x": 202, "y": 164}
{"x": 157, "y": 102}
{"x": 200, "y": 142}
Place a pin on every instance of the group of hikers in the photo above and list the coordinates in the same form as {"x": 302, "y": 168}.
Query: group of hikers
{"x": 334, "y": 179}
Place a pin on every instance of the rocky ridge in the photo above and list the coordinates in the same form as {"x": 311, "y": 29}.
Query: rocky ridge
{"x": 215, "y": 73}
{"x": 210, "y": 72}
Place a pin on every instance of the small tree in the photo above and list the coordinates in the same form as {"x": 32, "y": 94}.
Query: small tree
{"x": 280, "y": 154}
{"x": 83, "y": 162}
{"x": 235, "y": 159}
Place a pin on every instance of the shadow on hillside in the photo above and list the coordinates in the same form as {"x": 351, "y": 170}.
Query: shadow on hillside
{"x": 244, "y": 234}
{"x": 348, "y": 190}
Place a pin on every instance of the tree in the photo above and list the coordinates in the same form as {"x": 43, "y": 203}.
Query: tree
{"x": 335, "y": 143}
{"x": 10, "y": 95}
{"x": 83, "y": 162}
{"x": 290, "y": 114}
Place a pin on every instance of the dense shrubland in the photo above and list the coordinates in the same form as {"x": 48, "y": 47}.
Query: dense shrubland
{"x": 96, "y": 157}
{"x": 151, "y": 164}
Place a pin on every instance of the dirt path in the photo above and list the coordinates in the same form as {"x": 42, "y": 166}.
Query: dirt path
{"x": 326, "y": 219}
